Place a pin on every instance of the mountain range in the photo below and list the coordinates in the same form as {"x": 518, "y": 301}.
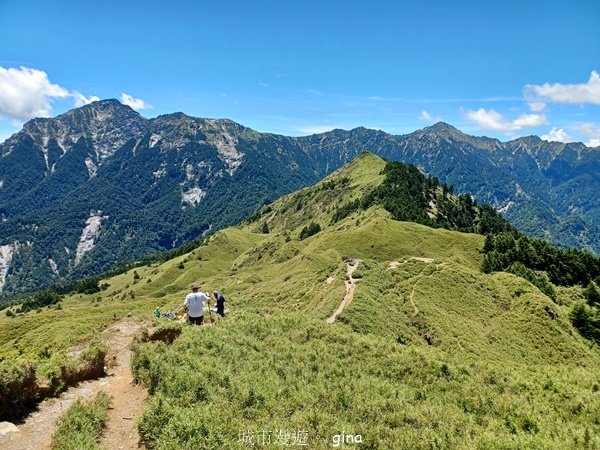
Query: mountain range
{"x": 101, "y": 184}
{"x": 353, "y": 306}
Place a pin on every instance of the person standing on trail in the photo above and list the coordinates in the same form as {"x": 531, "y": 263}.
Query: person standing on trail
{"x": 193, "y": 303}
{"x": 220, "y": 303}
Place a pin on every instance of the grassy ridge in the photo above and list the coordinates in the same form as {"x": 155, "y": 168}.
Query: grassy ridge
{"x": 294, "y": 373}
{"x": 500, "y": 318}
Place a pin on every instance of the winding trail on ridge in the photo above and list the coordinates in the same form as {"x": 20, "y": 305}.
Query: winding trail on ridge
{"x": 395, "y": 264}
{"x": 350, "y": 283}
{"x": 412, "y": 299}
{"x": 127, "y": 404}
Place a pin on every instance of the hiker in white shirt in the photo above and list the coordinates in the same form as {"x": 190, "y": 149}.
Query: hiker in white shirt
{"x": 193, "y": 303}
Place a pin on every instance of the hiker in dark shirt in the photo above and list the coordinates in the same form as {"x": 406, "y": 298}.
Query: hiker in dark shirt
{"x": 220, "y": 303}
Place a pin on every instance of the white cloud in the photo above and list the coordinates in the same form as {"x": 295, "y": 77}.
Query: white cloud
{"x": 27, "y": 93}
{"x": 593, "y": 143}
{"x": 81, "y": 100}
{"x": 316, "y": 129}
{"x": 590, "y": 131}
{"x": 527, "y": 121}
{"x": 556, "y": 135}
{"x": 537, "y": 106}
{"x": 135, "y": 103}
{"x": 566, "y": 93}
{"x": 492, "y": 120}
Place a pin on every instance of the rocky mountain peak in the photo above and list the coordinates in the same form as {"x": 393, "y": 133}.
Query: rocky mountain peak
{"x": 169, "y": 179}
{"x": 528, "y": 140}
{"x": 443, "y": 127}
{"x": 173, "y": 131}
{"x": 106, "y": 125}
{"x": 442, "y": 132}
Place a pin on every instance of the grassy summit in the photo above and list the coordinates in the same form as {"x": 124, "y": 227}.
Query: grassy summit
{"x": 430, "y": 353}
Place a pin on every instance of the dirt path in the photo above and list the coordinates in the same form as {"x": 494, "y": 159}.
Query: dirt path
{"x": 395, "y": 264}
{"x": 350, "y": 286}
{"x": 412, "y": 299}
{"x": 128, "y": 399}
{"x": 127, "y": 404}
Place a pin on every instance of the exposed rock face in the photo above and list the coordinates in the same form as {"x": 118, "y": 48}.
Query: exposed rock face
{"x": 6, "y": 256}
{"x": 224, "y": 136}
{"x": 54, "y": 267}
{"x": 90, "y": 233}
{"x": 106, "y": 125}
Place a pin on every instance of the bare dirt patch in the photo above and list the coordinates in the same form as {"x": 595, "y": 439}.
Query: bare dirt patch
{"x": 422, "y": 259}
{"x": 351, "y": 265}
{"x": 396, "y": 264}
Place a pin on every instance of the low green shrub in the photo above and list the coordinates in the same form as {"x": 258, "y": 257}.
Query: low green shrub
{"x": 80, "y": 427}
{"x": 18, "y": 387}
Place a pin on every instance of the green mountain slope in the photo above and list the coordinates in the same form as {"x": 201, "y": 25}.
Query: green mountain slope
{"x": 430, "y": 352}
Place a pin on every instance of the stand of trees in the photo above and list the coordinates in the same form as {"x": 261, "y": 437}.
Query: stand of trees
{"x": 310, "y": 230}
{"x": 541, "y": 263}
{"x": 411, "y": 196}
{"x": 565, "y": 267}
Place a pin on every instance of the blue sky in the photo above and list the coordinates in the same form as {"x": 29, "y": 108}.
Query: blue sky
{"x": 502, "y": 69}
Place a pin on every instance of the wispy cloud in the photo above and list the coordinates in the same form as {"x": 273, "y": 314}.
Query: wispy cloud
{"x": 566, "y": 93}
{"x": 319, "y": 93}
{"x": 591, "y": 131}
{"x": 428, "y": 118}
{"x": 443, "y": 100}
{"x": 491, "y": 120}
{"x": 536, "y": 106}
{"x": 81, "y": 99}
{"x": 135, "y": 103}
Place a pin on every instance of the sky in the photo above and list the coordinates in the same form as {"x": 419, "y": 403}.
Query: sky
{"x": 501, "y": 69}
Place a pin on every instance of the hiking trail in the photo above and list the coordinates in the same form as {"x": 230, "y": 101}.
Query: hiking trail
{"x": 412, "y": 299}
{"x": 350, "y": 283}
{"x": 127, "y": 403}
{"x": 395, "y": 264}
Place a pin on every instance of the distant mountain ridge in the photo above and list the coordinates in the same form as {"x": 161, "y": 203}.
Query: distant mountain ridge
{"x": 101, "y": 184}
{"x": 544, "y": 188}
